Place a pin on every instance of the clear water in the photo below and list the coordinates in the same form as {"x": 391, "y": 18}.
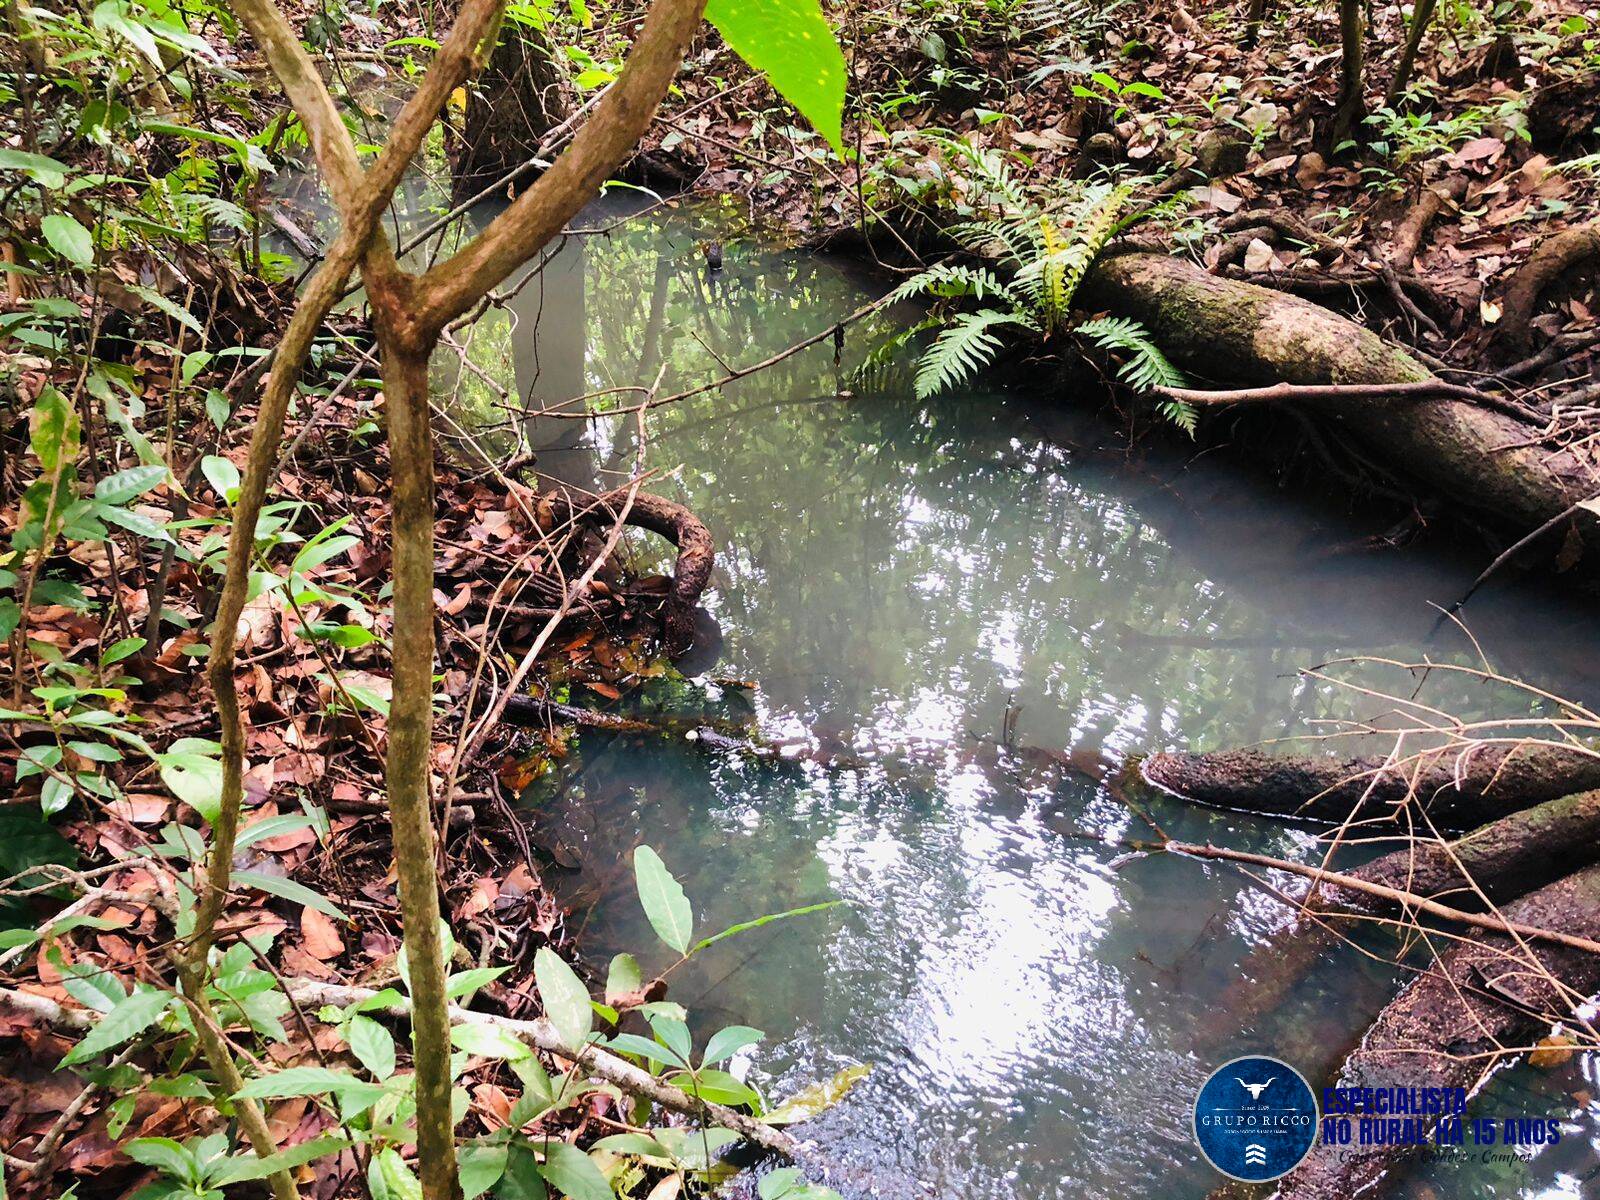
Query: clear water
{"x": 892, "y": 577}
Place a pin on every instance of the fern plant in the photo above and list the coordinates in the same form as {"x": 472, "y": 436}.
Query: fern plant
{"x": 1042, "y": 256}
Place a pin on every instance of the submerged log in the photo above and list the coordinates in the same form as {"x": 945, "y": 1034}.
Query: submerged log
{"x": 1447, "y": 1028}
{"x": 1503, "y": 859}
{"x": 1227, "y": 329}
{"x": 1459, "y": 790}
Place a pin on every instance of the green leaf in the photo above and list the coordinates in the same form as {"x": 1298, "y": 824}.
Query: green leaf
{"x": 566, "y": 1000}
{"x": 790, "y": 41}
{"x": 164, "y": 1154}
{"x": 464, "y": 983}
{"x": 809, "y": 1101}
{"x": 573, "y": 1172}
{"x": 388, "y": 1178}
{"x": 244, "y": 1167}
{"x": 623, "y": 978}
{"x": 487, "y": 1041}
{"x": 126, "y": 485}
{"x": 633, "y": 1143}
{"x": 372, "y": 1044}
{"x": 288, "y": 889}
{"x": 89, "y": 984}
{"x": 46, "y": 172}
{"x": 787, "y": 1183}
{"x": 480, "y": 1169}
{"x": 196, "y": 779}
{"x": 116, "y": 652}
{"x": 308, "y": 1081}
{"x": 271, "y": 827}
{"x": 69, "y": 239}
{"x": 222, "y": 475}
{"x": 521, "y": 1180}
{"x": 663, "y": 900}
{"x": 127, "y": 1020}
{"x": 742, "y": 926}
{"x": 725, "y": 1043}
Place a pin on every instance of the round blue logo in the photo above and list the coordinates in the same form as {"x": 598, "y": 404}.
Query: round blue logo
{"x": 1255, "y": 1118}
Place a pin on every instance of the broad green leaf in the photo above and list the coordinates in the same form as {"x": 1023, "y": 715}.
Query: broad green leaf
{"x": 633, "y": 1143}
{"x": 623, "y": 978}
{"x": 126, "y": 485}
{"x": 566, "y": 1000}
{"x": 47, "y": 172}
{"x": 308, "y": 1081}
{"x": 222, "y": 475}
{"x": 127, "y": 1020}
{"x": 809, "y": 1101}
{"x": 288, "y": 889}
{"x": 716, "y": 1086}
{"x": 164, "y": 1154}
{"x": 487, "y": 1041}
{"x": 521, "y": 1180}
{"x": 244, "y": 1167}
{"x": 464, "y": 983}
{"x": 117, "y": 651}
{"x": 663, "y": 900}
{"x": 89, "y": 984}
{"x": 791, "y": 42}
{"x": 388, "y": 1178}
{"x": 574, "y": 1174}
{"x": 480, "y": 1169}
{"x": 271, "y": 827}
{"x": 69, "y": 239}
{"x": 643, "y": 1047}
{"x": 53, "y": 431}
{"x": 372, "y": 1044}
{"x": 725, "y": 1043}
{"x": 788, "y": 1183}
{"x": 196, "y": 779}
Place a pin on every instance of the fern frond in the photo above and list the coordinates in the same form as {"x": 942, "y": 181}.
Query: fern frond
{"x": 880, "y": 358}
{"x": 1146, "y": 368}
{"x": 966, "y": 345}
{"x": 951, "y": 282}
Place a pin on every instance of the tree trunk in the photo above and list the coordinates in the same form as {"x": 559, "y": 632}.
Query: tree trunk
{"x": 1420, "y": 16}
{"x": 410, "y": 743}
{"x": 1352, "y": 106}
{"x": 516, "y": 101}
{"x": 1224, "y": 328}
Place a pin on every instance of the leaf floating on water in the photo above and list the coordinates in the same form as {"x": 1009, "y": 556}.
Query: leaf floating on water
{"x": 1554, "y": 1051}
{"x": 810, "y": 1101}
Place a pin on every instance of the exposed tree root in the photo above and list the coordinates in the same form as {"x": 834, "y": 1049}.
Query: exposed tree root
{"x": 696, "y": 551}
{"x": 1458, "y": 789}
{"x": 1553, "y": 257}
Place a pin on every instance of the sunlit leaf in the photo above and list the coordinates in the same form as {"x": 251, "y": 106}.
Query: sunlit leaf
{"x": 664, "y": 902}
{"x": 791, "y": 41}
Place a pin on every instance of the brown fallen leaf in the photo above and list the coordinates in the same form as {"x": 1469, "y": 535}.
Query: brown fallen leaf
{"x": 320, "y": 935}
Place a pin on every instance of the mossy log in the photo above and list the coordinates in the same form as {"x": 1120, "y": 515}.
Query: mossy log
{"x": 1457, "y": 789}
{"x": 1447, "y": 1027}
{"x": 1223, "y": 329}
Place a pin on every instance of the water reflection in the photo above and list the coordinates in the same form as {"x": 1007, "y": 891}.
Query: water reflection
{"x": 897, "y": 577}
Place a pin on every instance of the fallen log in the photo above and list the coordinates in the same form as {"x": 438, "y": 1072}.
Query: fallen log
{"x": 1503, "y": 860}
{"x": 1459, "y": 789}
{"x": 1228, "y": 329}
{"x": 1451, "y": 1026}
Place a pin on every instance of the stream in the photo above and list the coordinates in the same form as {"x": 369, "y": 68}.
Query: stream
{"x": 906, "y": 581}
